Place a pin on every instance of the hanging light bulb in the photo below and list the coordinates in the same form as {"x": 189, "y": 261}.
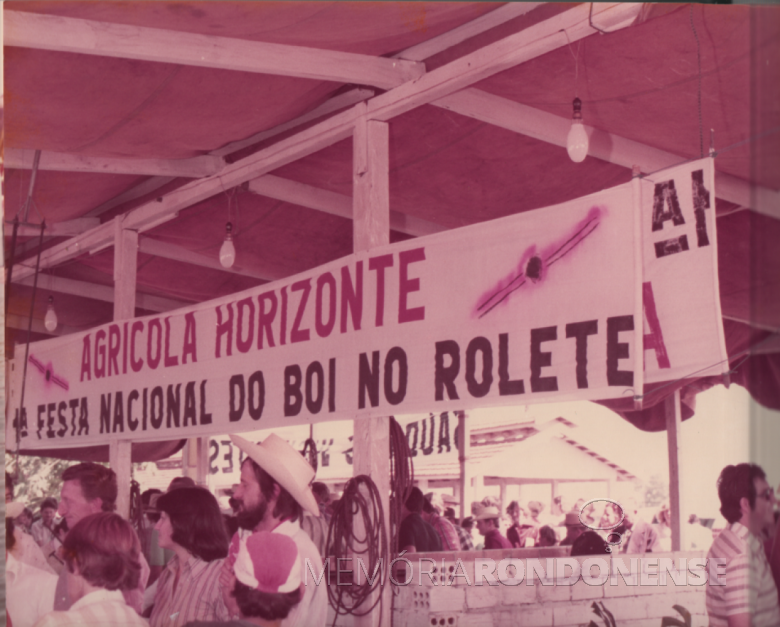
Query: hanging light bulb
{"x": 577, "y": 140}
{"x": 227, "y": 254}
{"x": 50, "y": 319}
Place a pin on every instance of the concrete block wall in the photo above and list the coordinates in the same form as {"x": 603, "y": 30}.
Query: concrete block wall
{"x": 426, "y": 602}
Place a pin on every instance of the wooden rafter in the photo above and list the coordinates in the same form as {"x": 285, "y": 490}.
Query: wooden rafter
{"x": 518, "y": 48}
{"x": 609, "y": 147}
{"x": 68, "y": 228}
{"x": 158, "y": 248}
{"x": 195, "y": 167}
{"x": 335, "y": 204}
{"x": 64, "y": 34}
{"x": 12, "y": 321}
{"x": 95, "y": 291}
{"x": 503, "y": 14}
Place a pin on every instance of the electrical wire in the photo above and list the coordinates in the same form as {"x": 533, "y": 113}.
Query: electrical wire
{"x": 361, "y": 500}
{"x": 401, "y": 478}
{"x": 22, "y": 418}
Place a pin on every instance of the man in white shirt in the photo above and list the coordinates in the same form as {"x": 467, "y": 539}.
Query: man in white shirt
{"x": 746, "y": 596}
{"x": 274, "y": 490}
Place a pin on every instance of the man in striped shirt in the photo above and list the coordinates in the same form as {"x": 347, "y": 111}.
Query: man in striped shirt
{"x": 741, "y": 591}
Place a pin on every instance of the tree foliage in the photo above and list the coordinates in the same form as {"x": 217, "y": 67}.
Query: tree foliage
{"x": 656, "y": 491}
{"x": 38, "y": 478}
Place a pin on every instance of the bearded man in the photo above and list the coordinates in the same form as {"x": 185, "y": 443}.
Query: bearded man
{"x": 274, "y": 490}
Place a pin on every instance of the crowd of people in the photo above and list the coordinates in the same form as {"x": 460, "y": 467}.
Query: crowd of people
{"x": 582, "y": 527}
{"x": 191, "y": 564}
{"x": 185, "y": 565}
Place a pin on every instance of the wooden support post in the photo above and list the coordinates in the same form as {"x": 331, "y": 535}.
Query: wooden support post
{"x": 370, "y": 184}
{"x": 502, "y": 494}
{"x": 371, "y": 228}
{"x": 464, "y": 446}
{"x": 478, "y": 483}
{"x": 673, "y": 420}
{"x": 125, "y": 258}
{"x": 195, "y": 460}
{"x": 119, "y": 458}
{"x": 125, "y": 263}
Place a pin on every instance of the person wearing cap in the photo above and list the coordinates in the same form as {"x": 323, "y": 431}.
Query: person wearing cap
{"x": 29, "y": 592}
{"x": 265, "y": 582}
{"x": 274, "y": 491}
{"x": 42, "y": 530}
{"x": 102, "y": 559}
{"x": 488, "y": 525}
{"x": 574, "y": 528}
{"x": 191, "y": 525}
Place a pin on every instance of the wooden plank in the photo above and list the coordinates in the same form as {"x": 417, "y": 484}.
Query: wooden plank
{"x": 335, "y": 204}
{"x": 12, "y": 321}
{"x": 62, "y": 285}
{"x": 179, "y": 253}
{"x": 137, "y": 191}
{"x": 371, "y": 228}
{"x": 125, "y": 269}
{"x": 119, "y": 458}
{"x": 483, "y": 23}
{"x": 370, "y": 184}
{"x": 64, "y": 34}
{"x": 534, "y": 41}
{"x": 553, "y": 129}
{"x": 68, "y": 228}
{"x": 673, "y": 421}
{"x": 195, "y": 167}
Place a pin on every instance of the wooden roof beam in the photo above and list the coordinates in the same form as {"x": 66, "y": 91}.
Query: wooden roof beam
{"x": 609, "y": 147}
{"x": 195, "y": 167}
{"x": 532, "y": 42}
{"x": 335, "y": 204}
{"x": 67, "y": 228}
{"x": 12, "y": 321}
{"x": 64, "y": 34}
{"x": 503, "y": 14}
{"x": 95, "y": 291}
{"x": 179, "y": 253}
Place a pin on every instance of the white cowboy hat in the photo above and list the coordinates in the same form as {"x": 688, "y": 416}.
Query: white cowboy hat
{"x": 286, "y": 465}
{"x": 487, "y": 513}
{"x": 13, "y": 509}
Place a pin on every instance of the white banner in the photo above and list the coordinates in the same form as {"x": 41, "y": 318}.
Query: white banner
{"x": 534, "y": 307}
{"x": 682, "y": 321}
